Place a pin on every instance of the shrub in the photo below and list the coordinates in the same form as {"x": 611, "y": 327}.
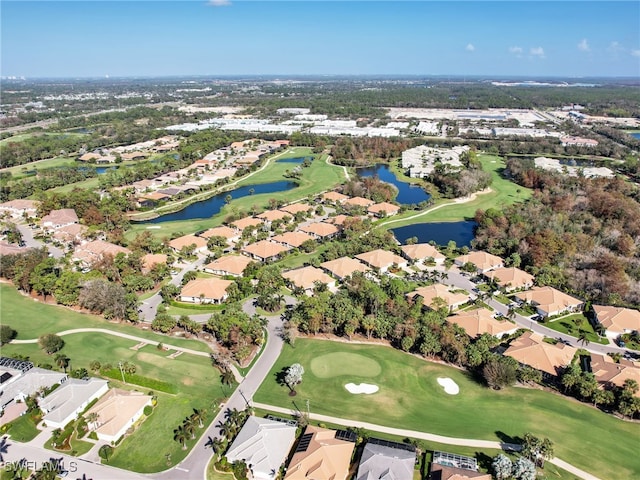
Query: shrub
{"x": 93, "y": 436}
{"x": 148, "y": 410}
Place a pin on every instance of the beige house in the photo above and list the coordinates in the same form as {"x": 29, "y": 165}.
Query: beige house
{"x": 334, "y": 197}
{"x": 265, "y": 250}
{"x": 205, "y": 290}
{"x": 247, "y": 222}
{"x": 480, "y": 321}
{"x": 320, "y": 456}
{"x": 359, "y": 202}
{"x": 292, "y": 239}
{"x": 19, "y": 208}
{"x": 306, "y": 277}
{"x": 295, "y": 208}
{"x": 232, "y": 265}
{"x": 429, "y": 296}
{"x": 273, "y": 215}
{"x": 530, "y": 349}
{"x": 549, "y": 302}
{"x": 59, "y": 218}
{"x": 383, "y": 209}
{"x": 510, "y": 278}
{"x": 382, "y": 259}
{"x": 117, "y": 410}
{"x": 177, "y": 244}
{"x": 343, "y": 267}
{"x": 320, "y": 230}
{"x": 483, "y": 261}
{"x": 610, "y": 374}
{"x": 617, "y": 320}
{"x": 150, "y": 260}
{"x": 73, "y": 233}
{"x": 230, "y": 234}
{"x": 421, "y": 252}
{"x": 90, "y": 253}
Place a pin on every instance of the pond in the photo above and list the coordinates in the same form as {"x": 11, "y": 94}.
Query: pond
{"x": 636, "y": 135}
{"x": 297, "y": 160}
{"x": 408, "y": 194}
{"x": 212, "y": 206}
{"x": 460, "y": 232}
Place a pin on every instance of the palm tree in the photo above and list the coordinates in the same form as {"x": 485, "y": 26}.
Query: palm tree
{"x": 189, "y": 426}
{"x": 511, "y": 313}
{"x": 226, "y": 429}
{"x": 582, "y": 338}
{"x": 227, "y": 378}
{"x": 62, "y": 361}
{"x": 180, "y": 436}
{"x": 199, "y": 416}
{"x": 92, "y": 417}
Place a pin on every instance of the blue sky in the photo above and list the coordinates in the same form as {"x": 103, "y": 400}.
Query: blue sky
{"x": 227, "y": 37}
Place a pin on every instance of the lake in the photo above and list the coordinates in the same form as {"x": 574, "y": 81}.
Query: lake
{"x": 441, "y": 233}
{"x": 636, "y": 135}
{"x": 211, "y": 206}
{"x": 408, "y": 194}
{"x": 297, "y": 160}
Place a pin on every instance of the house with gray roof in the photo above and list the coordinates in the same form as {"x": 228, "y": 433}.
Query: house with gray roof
{"x": 72, "y": 397}
{"x": 385, "y": 460}
{"x": 29, "y": 383}
{"x": 263, "y": 444}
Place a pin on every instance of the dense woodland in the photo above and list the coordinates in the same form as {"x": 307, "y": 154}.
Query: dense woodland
{"x": 578, "y": 234}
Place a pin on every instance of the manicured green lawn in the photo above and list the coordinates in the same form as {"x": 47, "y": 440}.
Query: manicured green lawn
{"x": 411, "y": 398}
{"x": 318, "y": 177}
{"x": 78, "y": 447}
{"x": 503, "y": 192}
{"x": 569, "y": 326}
{"x": 18, "y": 171}
{"x": 23, "y": 429}
{"x": 32, "y": 319}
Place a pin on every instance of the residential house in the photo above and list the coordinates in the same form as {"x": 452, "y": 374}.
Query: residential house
{"x": 344, "y": 267}
{"x": 177, "y": 244}
{"x": 320, "y": 230}
{"x": 72, "y": 397}
{"x": 306, "y": 278}
{"x": 231, "y": 265}
{"x": 383, "y": 209}
{"x": 610, "y": 374}
{"x": 549, "y": 302}
{"x": 205, "y": 290}
{"x": 230, "y": 234}
{"x": 338, "y": 220}
{"x": 483, "y": 261}
{"x": 117, "y": 411}
{"x": 247, "y": 222}
{"x": 69, "y": 234}
{"x": 480, "y": 321}
{"x": 422, "y": 252}
{"x": 19, "y": 208}
{"x": 322, "y": 454}
{"x": 89, "y": 253}
{"x": 149, "y": 200}
{"x": 359, "y": 202}
{"x": 530, "y": 349}
{"x": 265, "y": 250}
{"x": 292, "y": 239}
{"x": 385, "y": 460}
{"x": 296, "y": 208}
{"x": 382, "y": 260}
{"x": 271, "y": 216}
{"x": 438, "y": 296}
{"x": 334, "y": 197}
{"x": 59, "y": 218}
{"x": 617, "y": 320}
{"x": 510, "y": 278}
{"x": 17, "y": 385}
{"x": 263, "y": 445}
{"x": 150, "y": 260}
{"x": 8, "y": 249}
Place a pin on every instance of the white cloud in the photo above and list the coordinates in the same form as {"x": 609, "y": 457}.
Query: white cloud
{"x": 583, "y": 46}
{"x": 517, "y": 51}
{"x": 635, "y": 53}
{"x": 615, "y": 47}
{"x": 537, "y": 52}
{"x": 470, "y": 47}
{"x": 219, "y": 3}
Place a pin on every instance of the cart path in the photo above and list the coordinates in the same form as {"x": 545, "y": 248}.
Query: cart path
{"x": 465, "y": 442}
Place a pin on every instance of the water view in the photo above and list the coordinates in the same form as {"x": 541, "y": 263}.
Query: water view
{"x": 211, "y": 206}
{"x": 408, "y": 194}
{"x": 636, "y": 135}
{"x": 460, "y": 232}
{"x": 297, "y": 160}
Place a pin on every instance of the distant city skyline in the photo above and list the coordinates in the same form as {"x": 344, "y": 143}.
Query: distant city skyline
{"x": 226, "y": 37}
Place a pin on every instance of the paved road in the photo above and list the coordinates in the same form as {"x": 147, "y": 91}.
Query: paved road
{"x": 27, "y": 238}
{"x": 468, "y": 442}
{"x": 456, "y": 279}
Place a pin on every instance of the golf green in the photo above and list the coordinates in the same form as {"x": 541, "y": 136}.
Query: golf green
{"x": 344, "y": 363}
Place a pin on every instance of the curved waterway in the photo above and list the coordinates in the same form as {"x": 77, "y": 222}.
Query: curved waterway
{"x": 442, "y": 232}
{"x": 211, "y": 206}
{"x": 408, "y": 194}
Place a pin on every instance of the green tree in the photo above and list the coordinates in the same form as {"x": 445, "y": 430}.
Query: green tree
{"x": 180, "y": 435}
{"x": 50, "y": 343}
{"x": 62, "y": 361}
{"x": 105, "y": 452}
{"x": 7, "y": 334}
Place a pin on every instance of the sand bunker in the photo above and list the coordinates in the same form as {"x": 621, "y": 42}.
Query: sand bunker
{"x": 365, "y": 388}
{"x": 449, "y": 385}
